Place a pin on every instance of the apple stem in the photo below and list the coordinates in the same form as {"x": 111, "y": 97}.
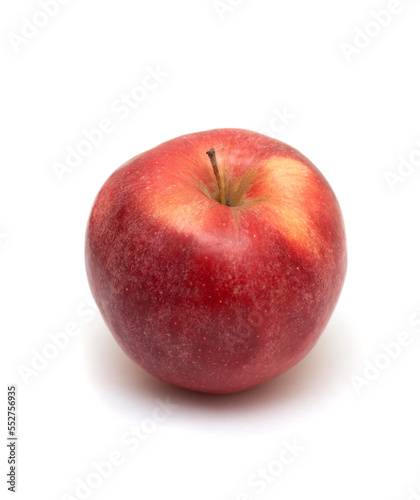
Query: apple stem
{"x": 212, "y": 155}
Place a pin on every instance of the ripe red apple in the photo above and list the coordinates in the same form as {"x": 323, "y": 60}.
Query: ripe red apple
{"x": 216, "y": 270}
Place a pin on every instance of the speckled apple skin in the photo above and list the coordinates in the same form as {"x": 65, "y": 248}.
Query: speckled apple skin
{"x": 205, "y": 296}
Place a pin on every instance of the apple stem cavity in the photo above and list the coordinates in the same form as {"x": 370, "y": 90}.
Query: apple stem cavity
{"x": 222, "y": 196}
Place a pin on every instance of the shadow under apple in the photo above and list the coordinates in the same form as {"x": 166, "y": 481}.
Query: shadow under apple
{"x": 319, "y": 379}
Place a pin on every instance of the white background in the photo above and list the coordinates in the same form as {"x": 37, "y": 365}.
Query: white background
{"x": 354, "y": 117}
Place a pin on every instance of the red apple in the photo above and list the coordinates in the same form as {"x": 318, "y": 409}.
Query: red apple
{"x": 216, "y": 270}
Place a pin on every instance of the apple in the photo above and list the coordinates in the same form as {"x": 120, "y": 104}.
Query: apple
{"x": 216, "y": 259}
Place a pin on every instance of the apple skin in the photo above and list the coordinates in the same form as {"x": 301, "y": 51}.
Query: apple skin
{"x": 210, "y": 297}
